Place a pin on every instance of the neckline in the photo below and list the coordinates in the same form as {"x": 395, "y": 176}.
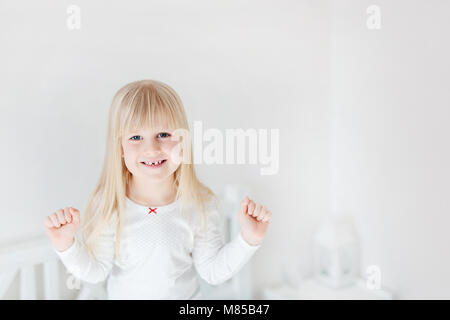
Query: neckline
{"x": 165, "y": 208}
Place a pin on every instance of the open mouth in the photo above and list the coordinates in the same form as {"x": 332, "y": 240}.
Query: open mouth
{"x": 155, "y": 164}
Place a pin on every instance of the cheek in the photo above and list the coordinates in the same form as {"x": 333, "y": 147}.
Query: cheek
{"x": 171, "y": 150}
{"x": 169, "y": 147}
{"x": 172, "y": 167}
{"x": 129, "y": 152}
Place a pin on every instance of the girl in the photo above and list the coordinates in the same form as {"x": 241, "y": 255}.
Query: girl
{"x": 141, "y": 228}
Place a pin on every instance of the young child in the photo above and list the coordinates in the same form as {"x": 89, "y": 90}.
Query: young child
{"x": 150, "y": 226}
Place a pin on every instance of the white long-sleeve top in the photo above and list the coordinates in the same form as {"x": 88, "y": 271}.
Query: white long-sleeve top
{"x": 161, "y": 252}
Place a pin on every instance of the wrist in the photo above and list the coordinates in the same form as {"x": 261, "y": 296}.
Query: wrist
{"x": 65, "y": 245}
{"x": 251, "y": 241}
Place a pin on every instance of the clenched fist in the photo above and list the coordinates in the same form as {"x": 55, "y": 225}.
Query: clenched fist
{"x": 61, "y": 227}
{"x": 254, "y": 220}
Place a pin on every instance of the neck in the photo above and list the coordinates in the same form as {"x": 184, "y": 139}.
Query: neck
{"x": 151, "y": 193}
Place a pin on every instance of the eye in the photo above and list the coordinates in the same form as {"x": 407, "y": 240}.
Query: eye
{"x": 134, "y": 139}
{"x": 164, "y": 135}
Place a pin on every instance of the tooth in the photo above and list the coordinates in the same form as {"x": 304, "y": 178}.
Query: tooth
{"x": 153, "y": 163}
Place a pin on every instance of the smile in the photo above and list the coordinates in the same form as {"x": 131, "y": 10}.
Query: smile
{"x": 155, "y": 164}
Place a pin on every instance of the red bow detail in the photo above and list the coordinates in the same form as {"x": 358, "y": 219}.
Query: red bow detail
{"x": 152, "y": 210}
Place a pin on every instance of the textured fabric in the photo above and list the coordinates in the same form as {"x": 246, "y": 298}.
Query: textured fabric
{"x": 162, "y": 250}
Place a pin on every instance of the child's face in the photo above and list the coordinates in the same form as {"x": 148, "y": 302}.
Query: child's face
{"x": 149, "y": 145}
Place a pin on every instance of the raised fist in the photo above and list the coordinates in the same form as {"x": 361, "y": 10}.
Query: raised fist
{"x": 61, "y": 227}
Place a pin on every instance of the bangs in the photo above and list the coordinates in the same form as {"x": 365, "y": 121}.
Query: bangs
{"x": 146, "y": 108}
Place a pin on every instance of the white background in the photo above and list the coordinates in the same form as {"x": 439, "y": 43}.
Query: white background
{"x": 362, "y": 115}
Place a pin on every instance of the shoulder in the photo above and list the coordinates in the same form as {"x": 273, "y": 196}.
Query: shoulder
{"x": 211, "y": 215}
{"x": 110, "y": 223}
{"x": 212, "y": 203}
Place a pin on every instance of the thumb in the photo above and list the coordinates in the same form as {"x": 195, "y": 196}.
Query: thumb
{"x": 75, "y": 215}
{"x": 244, "y": 205}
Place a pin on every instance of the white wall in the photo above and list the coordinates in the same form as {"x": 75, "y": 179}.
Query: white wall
{"x": 235, "y": 64}
{"x": 390, "y": 153}
{"x": 255, "y": 64}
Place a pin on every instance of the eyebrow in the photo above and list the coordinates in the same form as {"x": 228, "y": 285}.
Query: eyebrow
{"x": 140, "y": 131}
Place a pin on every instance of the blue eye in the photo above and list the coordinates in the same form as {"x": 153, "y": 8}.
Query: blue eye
{"x": 133, "y": 137}
{"x": 163, "y": 133}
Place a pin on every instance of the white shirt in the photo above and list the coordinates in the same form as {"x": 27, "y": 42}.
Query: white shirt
{"x": 161, "y": 253}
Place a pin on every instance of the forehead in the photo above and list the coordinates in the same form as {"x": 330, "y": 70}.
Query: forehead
{"x": 150, "y": 129}
{"x": 141, "y": 125}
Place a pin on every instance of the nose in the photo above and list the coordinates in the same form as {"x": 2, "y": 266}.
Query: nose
{"x": 152, "y": 147}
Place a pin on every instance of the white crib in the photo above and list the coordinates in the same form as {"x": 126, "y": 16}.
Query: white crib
{"x": 20, "y": 261}
{"x": 31, "y": 270}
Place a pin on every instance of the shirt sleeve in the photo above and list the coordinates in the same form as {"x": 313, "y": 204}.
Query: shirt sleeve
{"x": 215, "y": 261}
{"x": 90, "y": 268}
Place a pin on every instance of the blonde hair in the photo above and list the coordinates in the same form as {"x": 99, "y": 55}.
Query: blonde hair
{"x": 136, "y": 105}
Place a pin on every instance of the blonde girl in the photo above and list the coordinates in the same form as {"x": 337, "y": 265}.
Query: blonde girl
{"x": 150, "y": 226}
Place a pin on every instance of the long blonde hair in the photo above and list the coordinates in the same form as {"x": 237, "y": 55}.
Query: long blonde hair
{"x": 135, "y": 105}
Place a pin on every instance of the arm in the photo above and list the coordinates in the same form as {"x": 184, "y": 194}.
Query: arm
{"x": 215, "y": 261}
{"x": 89, "y": 268}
